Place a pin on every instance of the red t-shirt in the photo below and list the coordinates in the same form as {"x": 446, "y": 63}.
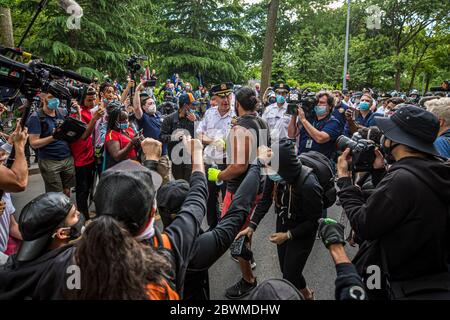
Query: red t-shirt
{"x": 83, "y": 150}
{"x": 123, "y": 139}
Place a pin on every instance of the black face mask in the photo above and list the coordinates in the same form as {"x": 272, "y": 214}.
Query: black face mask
{"x": 387, "y": 151}
{"x": 77, "y": 229}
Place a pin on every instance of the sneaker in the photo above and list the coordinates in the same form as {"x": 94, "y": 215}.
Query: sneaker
{"x": 240, "y": 289}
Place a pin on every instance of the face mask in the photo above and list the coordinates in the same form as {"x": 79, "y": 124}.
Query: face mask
{"x": 122, "y": 126}
{"x": 275, "y": 177}
{"x": 53, "y": 104}
{"x": 387, "y": 151}
{"x": 192, "y": 110}
{"x": 364, "y": 106}
{"x": 152, "y": 109}
{"x": 77, "y": 229}
{"x": 281, "y": 99}
{"x": 272, "y": 100}
{"x": 320, "y": 110}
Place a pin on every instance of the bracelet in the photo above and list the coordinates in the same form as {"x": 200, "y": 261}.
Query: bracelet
{"x": 289, "y": 235}
{"x": 253, "y": 225}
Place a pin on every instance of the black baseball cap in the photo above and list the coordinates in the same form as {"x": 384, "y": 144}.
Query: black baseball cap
{"x": 126, "y": 192}
{"x": 38, "y": 221}
{"x": 170, "y": 198}
{"x": 413, "y": 127}
{"x": 276, "y": 289}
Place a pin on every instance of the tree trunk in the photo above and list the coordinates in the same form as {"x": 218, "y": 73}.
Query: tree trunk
{"x": 398, "y": 72}
{"x": 268, "y": 44}
{"x": 413, "y": 78}
{"x": 6, "y": 28}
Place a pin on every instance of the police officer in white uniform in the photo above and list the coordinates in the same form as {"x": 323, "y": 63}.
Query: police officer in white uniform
{"x": 275, "y": 114}
{"x": 213, "y": 131}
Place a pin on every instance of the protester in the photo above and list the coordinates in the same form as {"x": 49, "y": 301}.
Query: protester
{"x": 249, "y": 132}
{"x": 173, "y": 128}
{"x": 389, "y": 220}
{"x": 318, "y": 134}
{"x": 168, "y": 106}
{"x": 298, "y": 205}
{"x": 83, "y": 152}
{"x": 121, "y": 141}
{"x": 38, "y": 270}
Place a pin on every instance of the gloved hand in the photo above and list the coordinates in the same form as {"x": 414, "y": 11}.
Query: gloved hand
{"x": 331, "y": 232}
{"x": 213, "y": 174}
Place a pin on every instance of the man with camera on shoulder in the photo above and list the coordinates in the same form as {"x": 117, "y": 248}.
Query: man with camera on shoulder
{"x": 405, "y": 222}
{"x": 321, "y": 131}
{"x": 55, "y": 159}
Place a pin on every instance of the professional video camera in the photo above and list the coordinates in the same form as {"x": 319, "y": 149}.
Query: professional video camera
{"x": 303, "y": 99}
{"x": 132, "y": 63}
{"x": 35, "y": 77}
{"x": 362, "y": 151}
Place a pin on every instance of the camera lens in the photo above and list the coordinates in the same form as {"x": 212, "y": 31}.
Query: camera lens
{"x": 344, "y": 142}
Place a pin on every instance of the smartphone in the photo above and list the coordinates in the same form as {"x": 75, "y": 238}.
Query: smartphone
{"x": 292, "y": 109}
{"x": 150, "y": 83}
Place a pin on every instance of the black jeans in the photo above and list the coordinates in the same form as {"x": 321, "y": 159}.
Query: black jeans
{"x": 293, "y": 255}
{"x": 213, "y": 212}
{"x": 84, "y": 180}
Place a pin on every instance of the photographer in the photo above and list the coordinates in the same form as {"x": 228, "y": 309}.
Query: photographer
{"x": 173, "y": 128}
{"x": 390, "y": 220}
{"x": 340, "y": 107}
{"x": 319, "y": 133}
{"x": 298, "y": 205}
{"x": 121, "y": 142}
{"x": 55, "y": 159}
{"x": 364, "y": 116}
{"x": 275, "y": 114}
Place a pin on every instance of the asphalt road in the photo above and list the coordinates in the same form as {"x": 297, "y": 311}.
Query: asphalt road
{"x": 319, "y": 271}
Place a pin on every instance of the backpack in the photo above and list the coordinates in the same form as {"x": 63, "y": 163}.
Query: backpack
{"x": 321, "y": 167}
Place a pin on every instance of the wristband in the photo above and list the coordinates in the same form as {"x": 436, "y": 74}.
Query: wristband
{"x": 289, "y": 235}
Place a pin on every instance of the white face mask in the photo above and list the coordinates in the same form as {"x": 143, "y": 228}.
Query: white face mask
{"x": 152, "y": 109}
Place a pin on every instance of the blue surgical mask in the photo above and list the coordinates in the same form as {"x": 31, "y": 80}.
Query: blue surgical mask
{"x": 122, "y": 125}
{"x": 53, "y": 103}
{"x": 320, "y": 110}
{"x": 364, "y": 105}
{"x": 281, "y": 99}
{"x": 275, "y": 177}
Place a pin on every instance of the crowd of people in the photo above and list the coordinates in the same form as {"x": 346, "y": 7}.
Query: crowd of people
{"x": 227, "y": 155}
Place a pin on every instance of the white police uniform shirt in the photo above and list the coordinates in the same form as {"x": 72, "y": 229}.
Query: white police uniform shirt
{"x": 215, "y": 127}
{"x": 278, "y": 121}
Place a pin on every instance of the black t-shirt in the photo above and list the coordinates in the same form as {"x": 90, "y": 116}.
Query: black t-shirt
{"x": 259, "y": 129}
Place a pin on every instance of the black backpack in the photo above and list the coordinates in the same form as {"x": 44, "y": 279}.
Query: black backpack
{"x": 321, "y": 166}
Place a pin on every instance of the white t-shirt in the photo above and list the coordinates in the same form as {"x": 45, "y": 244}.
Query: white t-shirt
{"x": 5, "y": 221}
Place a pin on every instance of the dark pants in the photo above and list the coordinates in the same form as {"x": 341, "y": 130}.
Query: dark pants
{"x": 213, "y": 212}
{"x": 182, "y": 171}
{"x": 293, "y": 255}
{"x": 85, "y": 180}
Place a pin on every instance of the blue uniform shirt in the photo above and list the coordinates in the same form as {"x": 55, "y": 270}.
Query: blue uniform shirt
{"x": 339, "y": 113}
{"x": 330, "y": 125}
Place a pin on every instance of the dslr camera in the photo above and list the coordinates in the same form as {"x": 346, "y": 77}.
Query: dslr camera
{"x": 362, "y": 151}
{"x": 307, "y": 103}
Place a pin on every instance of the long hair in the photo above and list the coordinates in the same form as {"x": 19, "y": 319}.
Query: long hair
{"x": 113, "y": 118}
{"x": 114, "y": 265}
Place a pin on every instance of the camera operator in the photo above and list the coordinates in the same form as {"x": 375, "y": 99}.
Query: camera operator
{"x": 319, "y": 133}
{"x": 83, "y": 151}
{"x": 275, "y": 114}
{"x": 173, "y": 128}
{"x": 55, "y": 159}
{"x": 441, "y": 109}
{"x": 121, "y": 142}
{"x": 364, "y": 115}
{"x": 298, "y": 205}
{"x": 390, "y": 220}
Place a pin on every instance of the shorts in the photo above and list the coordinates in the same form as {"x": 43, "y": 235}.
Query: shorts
{"x": 227, "y": 202}
{"x": 57, "y": 174}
